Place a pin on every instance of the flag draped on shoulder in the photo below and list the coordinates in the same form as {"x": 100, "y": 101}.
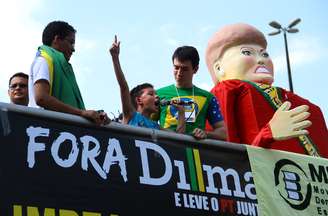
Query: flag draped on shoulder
{"x": 63, "y": 84}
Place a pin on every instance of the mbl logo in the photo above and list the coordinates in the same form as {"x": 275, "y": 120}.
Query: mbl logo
{"x": 292, "y": 184}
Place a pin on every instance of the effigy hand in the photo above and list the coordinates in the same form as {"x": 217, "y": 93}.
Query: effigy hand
{"x": 286, "y": 124}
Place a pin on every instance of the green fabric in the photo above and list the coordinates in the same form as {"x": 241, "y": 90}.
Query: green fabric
{"x": 64, "y": 86}
{"x": 192, "y": 169}
{"x": 168, "y": 114}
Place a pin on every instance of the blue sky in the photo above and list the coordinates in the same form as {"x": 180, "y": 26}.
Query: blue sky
{"x": 150, "y": 31}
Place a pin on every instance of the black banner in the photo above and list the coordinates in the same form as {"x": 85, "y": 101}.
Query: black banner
{"x": 53, "y": 169}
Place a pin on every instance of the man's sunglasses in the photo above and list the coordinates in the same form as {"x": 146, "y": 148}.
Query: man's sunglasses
{"x": 14, "y": 86}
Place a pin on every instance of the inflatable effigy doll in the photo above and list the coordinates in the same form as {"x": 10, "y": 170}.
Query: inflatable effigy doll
{"x": 256, "y": 112}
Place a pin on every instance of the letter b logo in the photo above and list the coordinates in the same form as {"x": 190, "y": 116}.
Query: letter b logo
{"x": 292, "y": 185}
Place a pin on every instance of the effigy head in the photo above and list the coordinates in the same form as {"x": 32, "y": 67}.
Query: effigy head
{"x": 238, "y": 51}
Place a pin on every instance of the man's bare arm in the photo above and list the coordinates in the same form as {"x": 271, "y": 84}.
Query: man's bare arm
{"x": 219, "y": 131}
{"x": 45, "y": 100}
{"x": 181, "y": 127}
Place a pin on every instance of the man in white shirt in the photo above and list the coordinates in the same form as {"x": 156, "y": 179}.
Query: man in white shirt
{"x": 52, "y": 81}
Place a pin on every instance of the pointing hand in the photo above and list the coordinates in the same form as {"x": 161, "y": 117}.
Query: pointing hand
{"x": 115, "y": 49}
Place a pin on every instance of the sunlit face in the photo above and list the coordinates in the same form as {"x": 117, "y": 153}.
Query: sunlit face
{"x": 247, "y": 62}
{"x": 183, "y": 73}
{"x": 18, "y": 91}
{"x": 66, "y": 45}
{"x": 148, "y": 100}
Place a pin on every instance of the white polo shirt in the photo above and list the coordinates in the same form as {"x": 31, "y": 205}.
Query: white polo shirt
{"x": 39, "y": 71}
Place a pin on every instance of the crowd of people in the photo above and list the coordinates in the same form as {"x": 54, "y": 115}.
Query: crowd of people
{"x": 242, "y": 72}
{"x": 51, "y": 85}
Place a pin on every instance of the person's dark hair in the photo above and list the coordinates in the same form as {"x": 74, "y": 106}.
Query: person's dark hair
{"x": 137, "y": 91}
{"x": 60, "y": 28}
{"x": 18, "y": 74}
{"x": 186, "y": 53}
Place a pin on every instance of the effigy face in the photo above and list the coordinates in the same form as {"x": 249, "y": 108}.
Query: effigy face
{"x": 245, "y": 62}
{"x": 224, "y": 50}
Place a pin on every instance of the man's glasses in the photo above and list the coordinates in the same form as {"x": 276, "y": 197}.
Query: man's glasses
{"x": 70, "y": 41}
{"x": 19, "y": 85}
